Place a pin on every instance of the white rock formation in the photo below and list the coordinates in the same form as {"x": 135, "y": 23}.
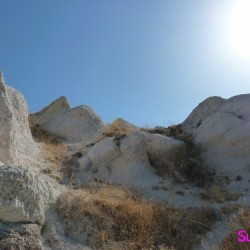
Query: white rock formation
{"x": 237, "y": 106}
{"x": 101, "y": 155}
{"x": 24, "y": 195}
{"x": 133, "y": 169}
{"x": 80, "y": 124}
{"x": 125, "y": 160}
{"x": 204, "y": 109}
{"x": 224, "y": 135}
{"x": 42, "y": 117}
{"x": 16, "y": 142}
{"x": 76, "y": 125}
{"x": 165, "y": 151}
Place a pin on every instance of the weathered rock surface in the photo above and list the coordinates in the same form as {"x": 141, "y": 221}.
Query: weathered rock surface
{"x": 20, "y": 236}
{"x": 119, "y": 160}
{"x": 224, "y": 135}
{"x": 24, "y": 195}
{"x": 237, "y": 106}
{"x": 126, "y": 159}
{"x": 80, "y": 124}
{"x": 204, "y": 109}
{"x": 76, "y": 125}
{"x": 16, "y": 142}
{"x": 42, "y": 117}
{"x": 101, "y": 155}
{"x": 165, "y": 152}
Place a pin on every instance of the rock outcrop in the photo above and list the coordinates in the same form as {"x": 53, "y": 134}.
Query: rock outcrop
{"x": 46, "y": 114}
{"x": 204, "y": 109}
{"x": 165, "y": 153}
{"x": 134, "y": 160}
{"x": 16, "y": 142}
{"x": 224, "y": 135}
{"x": 76, "y": 125}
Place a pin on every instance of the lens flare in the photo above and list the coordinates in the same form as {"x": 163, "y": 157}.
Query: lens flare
{"x": 240, "y": 28}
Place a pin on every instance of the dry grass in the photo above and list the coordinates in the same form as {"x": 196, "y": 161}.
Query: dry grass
{"x": 42, "y": 135}
{"x": 53, "y": 151}
{"x": 241, "y": 222}
{"x": 217, "y": 193}
{"x": 115, "y": 130}
{"x": 69, "y": 167}
{"x": 53, "y": 156}
{"x": 112, "y": 216}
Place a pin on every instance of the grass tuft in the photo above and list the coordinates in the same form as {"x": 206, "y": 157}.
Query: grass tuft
{"x": 218, "y": 194}
{"x": 116, "y": 130}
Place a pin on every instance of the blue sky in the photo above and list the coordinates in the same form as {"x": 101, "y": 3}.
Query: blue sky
{"x": 147, "y": 61}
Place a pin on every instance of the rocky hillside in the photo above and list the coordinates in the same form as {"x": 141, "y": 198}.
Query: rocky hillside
{"x": 70, "y": 181}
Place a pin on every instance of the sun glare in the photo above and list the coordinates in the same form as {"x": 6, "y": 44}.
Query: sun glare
{"x": 240, "y": 29}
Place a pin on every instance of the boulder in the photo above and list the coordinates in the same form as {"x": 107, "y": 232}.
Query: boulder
{"x": 120, "y": 160}
{"x": 76, "y": 125}
{"x": 225, "y": 140}
{"x": 80, "y": 124}
{"x": 133, "y": 169}
{"x": 237, "y": 106}
{"x": 16, "y": 142}
{"x": 42, "y": 117}
{"x": 224, "y": 136}
{"x": 165, "y": 153}
{"x": 102, "y": 154}
{"x": 204, "y": 109}
{"x": 24, "y": 195}
{"x": 127, "y": 159}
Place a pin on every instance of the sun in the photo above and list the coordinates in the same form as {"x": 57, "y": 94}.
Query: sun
{"x": 240, "y": 28}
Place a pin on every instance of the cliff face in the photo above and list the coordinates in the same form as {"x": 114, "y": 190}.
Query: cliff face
{"x": 16, "y": 142}
{"x": 90, "y": 185}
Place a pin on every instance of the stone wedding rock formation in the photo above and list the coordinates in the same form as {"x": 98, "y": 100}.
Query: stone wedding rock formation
{"x": 44, "y": 116}
{"x": 74, "y": 125}
{"x": 16, "y": 142}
